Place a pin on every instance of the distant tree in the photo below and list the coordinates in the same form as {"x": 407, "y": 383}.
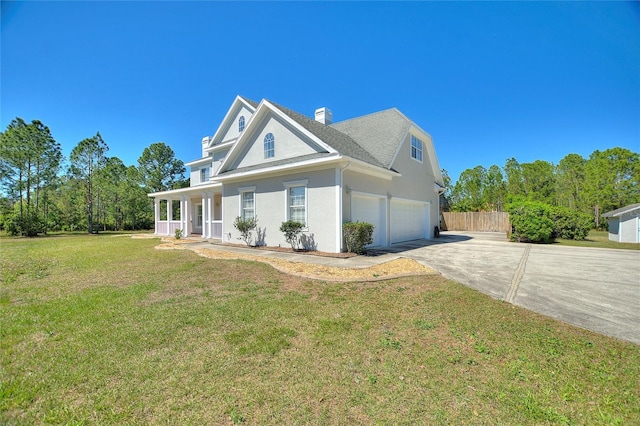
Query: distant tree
{"x": 538, "y": 181}
{"x": 494, "y": 191}
{"x": 137, "y": 207}
{"x": 29, "y": 163}
{"x": 612, "y": 179}
{"x": 467, "y": 194}
{"x": 159, "y": 169}
{"x": 87, "y": 159}
{"x": 570, "y": 181}
{"x": 514, "y": 180}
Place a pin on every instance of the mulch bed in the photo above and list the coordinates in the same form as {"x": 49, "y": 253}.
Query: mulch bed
{"x": 290, "y": 250}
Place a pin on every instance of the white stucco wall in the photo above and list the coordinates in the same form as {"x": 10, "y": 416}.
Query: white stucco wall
{"x": 289, "y": 143}
{"x": 194, "y": 176}
{"x": 217, "y": 159}
{"x": 271, "y": 208}
{"x": 416, "y": 183}
{"x": 232, "y": 131}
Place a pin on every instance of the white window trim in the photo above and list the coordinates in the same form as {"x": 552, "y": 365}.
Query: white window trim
{"x": 421, "y": 149}
{"x": 203, "y": 175}
{"x": 272, "y": 151}
{"x": 294, "y": 184}
{"x": 241, "y": 191}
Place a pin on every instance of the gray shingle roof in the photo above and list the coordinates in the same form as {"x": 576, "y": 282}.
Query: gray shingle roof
{"x": 625, "y": 209}
{"x": 254, "y": 104}
{"x": 336, "y": 139}
{"x": 379, "y": 133}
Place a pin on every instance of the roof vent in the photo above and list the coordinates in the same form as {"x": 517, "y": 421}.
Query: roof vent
{"x": 324, "y": 115}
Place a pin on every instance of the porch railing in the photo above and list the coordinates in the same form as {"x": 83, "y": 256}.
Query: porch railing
{"x": 167, "y": 227}
{"x": 216, "y": 228}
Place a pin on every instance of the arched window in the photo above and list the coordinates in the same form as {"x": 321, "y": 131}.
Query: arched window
{"x": 269, "y": 146}
{"x": 241, "y": 123}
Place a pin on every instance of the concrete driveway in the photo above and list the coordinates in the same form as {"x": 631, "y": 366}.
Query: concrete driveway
{"x": 597, "y": 289}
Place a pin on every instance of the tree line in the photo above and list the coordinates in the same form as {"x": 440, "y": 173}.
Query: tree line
{"x": 605, "y": 181}
{"x": 41, "y": 191}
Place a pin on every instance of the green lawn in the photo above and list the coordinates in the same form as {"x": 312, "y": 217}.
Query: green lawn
{"x": 107, "y": 330}
{"x": 599, "y": 239}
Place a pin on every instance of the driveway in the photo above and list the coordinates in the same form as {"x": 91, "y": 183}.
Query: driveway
{"x": 597, "y": 289}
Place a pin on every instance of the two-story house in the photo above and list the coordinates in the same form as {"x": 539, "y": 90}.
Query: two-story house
{"x": 270, "y": 162}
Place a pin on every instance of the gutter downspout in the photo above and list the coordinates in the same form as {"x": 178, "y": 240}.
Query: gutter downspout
{"x": 341, "y": 207}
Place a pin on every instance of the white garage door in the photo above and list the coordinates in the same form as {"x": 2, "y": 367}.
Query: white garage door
{"x": 409, "y": 221}
{"x": 372, "y": 210}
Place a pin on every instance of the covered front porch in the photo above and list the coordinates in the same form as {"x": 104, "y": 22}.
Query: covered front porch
{"x": 196, "y": 211}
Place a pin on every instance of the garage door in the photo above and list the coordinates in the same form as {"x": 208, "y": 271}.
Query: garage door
{"x": 409, "y": 220}
{"x": 372, "y": 210}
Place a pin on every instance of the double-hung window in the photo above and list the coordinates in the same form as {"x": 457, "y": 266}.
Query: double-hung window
{"x": 248, "y": 204}
{"x": 204, "y": 175}
{"x": 297, "y": 201}
{"x": 416, "y": 148}
{"x": 269, "y": 146}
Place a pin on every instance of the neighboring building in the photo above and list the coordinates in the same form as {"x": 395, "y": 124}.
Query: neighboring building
{"x": 624, "y": 224}
{"x": 270, "y": 162}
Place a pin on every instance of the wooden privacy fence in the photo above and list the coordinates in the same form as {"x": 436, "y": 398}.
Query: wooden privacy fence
{"x": 475, "y": 221}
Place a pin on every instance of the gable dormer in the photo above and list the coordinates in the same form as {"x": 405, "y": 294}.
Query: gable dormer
{"x": 234, "y": 122}
{"x": 272, "y": 136}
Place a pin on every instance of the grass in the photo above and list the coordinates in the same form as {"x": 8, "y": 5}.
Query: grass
{"x": 600, "y": 239}
{"x": 103, "y": 330}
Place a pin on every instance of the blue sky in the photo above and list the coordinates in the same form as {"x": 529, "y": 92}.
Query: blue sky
{"x": 488, "y": 81}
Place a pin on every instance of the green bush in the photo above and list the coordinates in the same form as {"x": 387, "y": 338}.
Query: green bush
{"x": 29, "y": 225}
{"x": 357, "y": 235}
{"x": 292, "y": 230}
{"x": 531, "y": 222}
{"x": 571, "y": 224}
{"x": 178, "y": 234}
{"x": 245, "y": 226}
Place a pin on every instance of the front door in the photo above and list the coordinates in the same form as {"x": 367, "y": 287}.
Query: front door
{"x": 197, "y": 225}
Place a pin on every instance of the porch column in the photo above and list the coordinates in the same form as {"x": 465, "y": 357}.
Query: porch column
{"x": 156, "y": 214}
{"x": 205, "y": 233}
{"x": 182, "y": 207}
{"x": 209, "y": 215}
{"x": 187, "y": 215}
{"x": 169, "y": 215}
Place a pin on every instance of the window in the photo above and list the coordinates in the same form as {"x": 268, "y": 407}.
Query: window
{"x": 204, "y": 175}
{"x": 269, "y": 145}
{"x": 297, "y": 200}
{"x": 298, "y": 204}
{"x": 248, "y": 207}
{"x": 241, "y": 123}
{"x": 416, "y": 148}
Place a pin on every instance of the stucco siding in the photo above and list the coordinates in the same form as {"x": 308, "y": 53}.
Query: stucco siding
{"x": 289, "y": 143}
{"x": 271, "y": 208}
{"x": 415, "y": 185}
{"x": 194, "y": 176}
{"x": 232, "y": 132}
{"x": 218, "y": 158}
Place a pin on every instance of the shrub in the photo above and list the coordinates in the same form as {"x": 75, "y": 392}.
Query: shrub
{"x": 531, "y": 222}
{"x": 357, "y": 235}
{"x": 178, "y": 233}
{"x": 29, "y": 225}
{"x": 292, "y": 231}
{"x": 571, "y": 224}
{"x": 245, "y": 226}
